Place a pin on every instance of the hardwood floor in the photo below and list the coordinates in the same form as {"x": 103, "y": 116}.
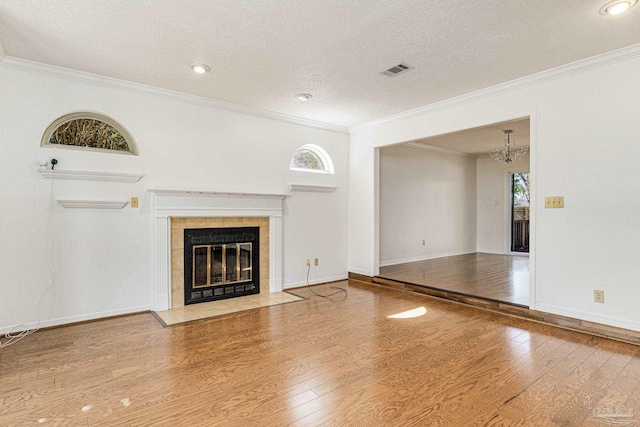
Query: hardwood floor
{"x": 322, "y": 362}
{"x": 497, "y": 277}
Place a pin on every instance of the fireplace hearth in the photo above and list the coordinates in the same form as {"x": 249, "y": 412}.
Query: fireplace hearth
{"x": 221, "y": 263}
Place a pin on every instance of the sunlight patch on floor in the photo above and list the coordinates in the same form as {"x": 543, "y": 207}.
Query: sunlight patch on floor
{"x": 409, "y": 314}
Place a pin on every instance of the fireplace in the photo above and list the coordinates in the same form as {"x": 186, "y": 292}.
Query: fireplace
{"x": 177, "y": 210}
{"x": 221, "y": 263}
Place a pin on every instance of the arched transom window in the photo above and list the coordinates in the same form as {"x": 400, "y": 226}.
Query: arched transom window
{"x": 311, "y": 158}
{"x": 88, "y": 130}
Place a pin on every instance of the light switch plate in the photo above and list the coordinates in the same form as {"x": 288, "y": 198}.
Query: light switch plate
{"x": 554, "y": 202}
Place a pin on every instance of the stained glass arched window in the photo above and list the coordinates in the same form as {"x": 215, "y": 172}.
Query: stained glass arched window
{"x": 311, "y": 158}
{"x": 89, "y": 131}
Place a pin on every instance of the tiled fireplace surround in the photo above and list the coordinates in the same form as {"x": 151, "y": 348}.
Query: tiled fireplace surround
{"x": 178, "y": 226}
{"x": 175, "y": 210}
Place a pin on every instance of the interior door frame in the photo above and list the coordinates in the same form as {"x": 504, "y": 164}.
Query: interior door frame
{"x": 464, "y": 124}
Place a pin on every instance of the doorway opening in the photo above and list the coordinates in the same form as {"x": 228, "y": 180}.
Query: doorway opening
{"x": 520, "y": 204}
{"x": 455, "y": 220}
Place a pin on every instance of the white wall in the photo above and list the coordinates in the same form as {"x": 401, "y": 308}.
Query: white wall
{"x": 585, "y": 147}
{"x": 494, "y": 202}
{"x": 425, "y": 195}
{"x": 363, "y": 253}
{"x": 103, "y": 258}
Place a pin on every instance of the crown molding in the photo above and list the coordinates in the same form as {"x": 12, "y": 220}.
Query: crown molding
{"x": 559, "y": 72}
{"x": 19, "y": 64}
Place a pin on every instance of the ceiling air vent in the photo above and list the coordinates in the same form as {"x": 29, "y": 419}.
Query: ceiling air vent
{"x": 395, "y": 70}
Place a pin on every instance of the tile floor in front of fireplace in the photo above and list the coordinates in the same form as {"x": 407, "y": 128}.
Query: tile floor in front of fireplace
{"x": 205, "y": 310}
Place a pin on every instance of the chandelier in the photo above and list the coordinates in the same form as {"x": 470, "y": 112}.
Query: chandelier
{"x": 509, "y": 154}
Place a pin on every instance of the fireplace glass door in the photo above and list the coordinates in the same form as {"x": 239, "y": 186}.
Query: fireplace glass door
{"x": 221, "y": 263}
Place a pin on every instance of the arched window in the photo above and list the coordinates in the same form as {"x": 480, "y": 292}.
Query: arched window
{"x": 311, "y": 158}
{"x": 87, "y": 130}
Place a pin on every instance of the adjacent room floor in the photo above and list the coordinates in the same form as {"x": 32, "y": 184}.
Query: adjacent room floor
{"x": 498, "y": 277}
{"x": 337, "y": 362}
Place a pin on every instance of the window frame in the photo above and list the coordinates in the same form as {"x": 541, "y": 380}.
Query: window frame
{"x": 321, "y": 153}
{"x": 92, "y": 115}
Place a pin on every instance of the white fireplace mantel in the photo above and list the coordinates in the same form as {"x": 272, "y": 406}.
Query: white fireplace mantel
{"x": 170, "y": 203}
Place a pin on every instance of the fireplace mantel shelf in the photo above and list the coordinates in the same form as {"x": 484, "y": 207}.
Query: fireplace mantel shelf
{"x": 174, "y": 192}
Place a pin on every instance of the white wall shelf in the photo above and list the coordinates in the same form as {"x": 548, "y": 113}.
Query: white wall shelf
{"x": 312, "y": 188}
{"x": 93, "y": 204}
{"x": 90, "y": 176}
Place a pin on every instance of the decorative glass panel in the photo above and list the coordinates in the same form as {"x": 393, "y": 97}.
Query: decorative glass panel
{"x": 306, "y": 159}
{"x": 311, "y": 158}
{"x": 200, "y": 264}
{"x": 245, "y": 261}
{"x": 89, "y": 131}
{"x": 232, "y": 262}
{"x": 217, "y": 271}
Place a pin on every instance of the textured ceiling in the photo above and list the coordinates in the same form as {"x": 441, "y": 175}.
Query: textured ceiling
{"x": 482, "y": 140}
{"x": 262, "y": 53}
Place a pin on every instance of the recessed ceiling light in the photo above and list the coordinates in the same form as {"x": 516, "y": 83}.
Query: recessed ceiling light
{"x": 616, "y": 7}
{"x": 200, "y": 68}
{"x": 303, "y": 96}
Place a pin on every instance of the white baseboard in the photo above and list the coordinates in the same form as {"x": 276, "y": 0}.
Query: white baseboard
{"x": 316, "y": 281}
{"x": 425, "y": 257}
{"x": 74, "y": 319}
{"x": 590, "y": 317}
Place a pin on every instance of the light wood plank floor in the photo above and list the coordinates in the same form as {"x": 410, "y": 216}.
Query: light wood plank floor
{"x": 497, "y": 277}
{"x": 322, "y": 362}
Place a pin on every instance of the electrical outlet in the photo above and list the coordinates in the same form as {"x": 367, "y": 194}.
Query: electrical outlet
{"x": 134, "y": 202}
{"x": 307, "y": 262}
{"x": 598, "y": 296}
{"x": 315, "y": 261}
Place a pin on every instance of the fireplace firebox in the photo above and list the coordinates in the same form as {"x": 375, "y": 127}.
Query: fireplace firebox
{"x": 221, "y": 263}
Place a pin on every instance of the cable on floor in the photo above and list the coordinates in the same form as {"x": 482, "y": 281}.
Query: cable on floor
{"x": 338, "y": 290}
